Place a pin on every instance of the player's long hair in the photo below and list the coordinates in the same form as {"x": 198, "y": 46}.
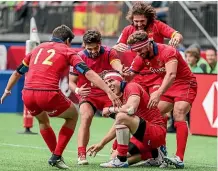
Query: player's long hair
{"x": 136, "y": 37}
{"x": 92, "y": 36}
{"x": 142, "y": 8}
{"x": 63, "y": 32}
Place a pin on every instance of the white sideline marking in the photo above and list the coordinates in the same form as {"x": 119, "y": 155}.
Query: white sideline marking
{"x": 42, "y": 148}
{"x": 103, "y": 155}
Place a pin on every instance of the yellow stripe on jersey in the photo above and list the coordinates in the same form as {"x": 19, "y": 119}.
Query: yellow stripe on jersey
{"x": 25, "y": 63}
{"x": 114, "y": 61}
{"x": 174, "y": 33}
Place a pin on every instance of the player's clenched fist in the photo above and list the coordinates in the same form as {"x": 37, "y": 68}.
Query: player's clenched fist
{"x": 94, "y": 149}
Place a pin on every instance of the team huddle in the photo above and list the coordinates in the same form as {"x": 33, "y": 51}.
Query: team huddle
{"x": 136, "y": 96}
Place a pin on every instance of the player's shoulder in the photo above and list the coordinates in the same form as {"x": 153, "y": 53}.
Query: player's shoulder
{"x": 166, "y": 49}
{"x": 129, "y": 29}
{"x": 105, "y": 48}
{"x": 133, "y": 86}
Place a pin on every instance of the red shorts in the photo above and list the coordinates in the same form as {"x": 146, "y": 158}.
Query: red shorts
{"x": 53, "y": 102}
{"x": 154, "y": 137}
{"x": 181, "y": 91}
{"x": 97, "y": 102}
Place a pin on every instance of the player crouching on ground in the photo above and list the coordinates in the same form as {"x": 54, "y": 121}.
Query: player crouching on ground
{"x": 146, "y": 125}
{"x": 41, "y": 93}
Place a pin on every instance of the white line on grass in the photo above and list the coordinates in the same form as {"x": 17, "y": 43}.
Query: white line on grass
{"x": 42, "y": 148}
{"x": 102, "y": 155}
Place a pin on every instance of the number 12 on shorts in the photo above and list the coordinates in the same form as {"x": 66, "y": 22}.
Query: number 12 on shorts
{"x": 51, "y": 53}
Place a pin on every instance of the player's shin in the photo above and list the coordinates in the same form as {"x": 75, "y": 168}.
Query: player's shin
{"x": 181, "y": 137}
{"x": 49, "y": 137}
{"x": 64, "y": 137}
{"x": 123, "y": 135}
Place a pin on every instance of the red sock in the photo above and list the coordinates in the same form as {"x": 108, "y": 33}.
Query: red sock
{"x": 122, "y": 149}
{"x": 181, "y": 138}
{"x": 49, "y": 137}
{"x": 81, "y": 151}
{"x": 114, "y": 146}
{"x": 63, "y": 138}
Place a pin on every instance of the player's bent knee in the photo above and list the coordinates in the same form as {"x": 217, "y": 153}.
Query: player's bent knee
{"x": 122, "y": 118}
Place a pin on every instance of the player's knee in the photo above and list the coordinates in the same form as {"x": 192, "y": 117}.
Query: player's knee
{"x": 179, "y": 113}
{"x": 86, "y": 119}
{"x": 121, "y": 118}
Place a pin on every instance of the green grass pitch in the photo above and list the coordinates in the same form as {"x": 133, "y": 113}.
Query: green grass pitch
{"x": 29, "y": 152}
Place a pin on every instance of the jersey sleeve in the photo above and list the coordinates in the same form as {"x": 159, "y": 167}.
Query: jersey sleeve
{"x": 137, "y": 64}
{"x": 170, "y": 55}
{"x": 166, "y": 30}
{"x": 74, "y": 58}
{"x": 113, "y": 56}
{"x": 132, "y": 89}
{"x": 26, "y": 60}
{"x": 124, "y": 36}
{"x": 73, "y": 71}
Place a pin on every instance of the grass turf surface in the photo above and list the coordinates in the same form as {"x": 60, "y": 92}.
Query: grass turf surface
{"x": 29, "y": 152}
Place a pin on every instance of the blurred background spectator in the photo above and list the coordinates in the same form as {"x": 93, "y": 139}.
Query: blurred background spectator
{"x": 193, "y": 58}
{"x": 211, "y": 56}
{"x": 202, "y": 63}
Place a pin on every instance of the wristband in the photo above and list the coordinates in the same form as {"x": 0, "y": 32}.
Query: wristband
{"x": 111, "y": 109}
{"x": 77, "y": 90}
{"x": 7, "y": 91}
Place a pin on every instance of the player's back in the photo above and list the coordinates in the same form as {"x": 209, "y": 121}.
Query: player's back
{"x": 46, "y": 64}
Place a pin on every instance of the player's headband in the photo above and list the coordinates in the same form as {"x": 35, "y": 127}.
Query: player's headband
{"x": 139, "y": 45}
{"x": 114, "y": 76}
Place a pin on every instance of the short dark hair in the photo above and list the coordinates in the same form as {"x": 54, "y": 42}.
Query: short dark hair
{"x": 136, "y": 37}
{"x": 63, "y": 32}
{"x": 92, "y": 36}
{"x": 142, "y": 8}
{"x": 213, "y": 49}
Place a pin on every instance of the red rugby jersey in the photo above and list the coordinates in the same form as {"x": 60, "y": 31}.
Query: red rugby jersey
{"x": 46, "y": 64}
{"x": 156, "y": 30}
{"x": 100, "y": 64}
{"x": 155, "y": 68}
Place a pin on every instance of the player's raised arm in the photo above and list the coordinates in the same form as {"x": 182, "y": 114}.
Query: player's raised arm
{"x": 22, "y": 69}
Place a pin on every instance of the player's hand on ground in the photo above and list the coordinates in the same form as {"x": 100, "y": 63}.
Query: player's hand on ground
{"x": 154, "y": 100}
{"x": 84, "y": 91}
{"x": 6, "y": 93}
{"x": 115, "y": 99}
{"x": 120, "y": 47}
{"x": 94, "y": 149}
